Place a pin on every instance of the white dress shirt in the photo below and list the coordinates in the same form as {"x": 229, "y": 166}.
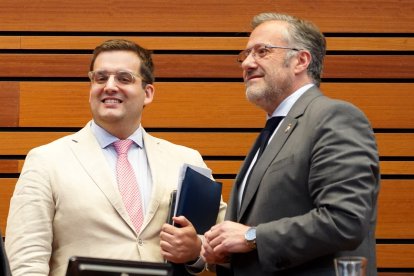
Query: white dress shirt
{"x": 136, "y": 156}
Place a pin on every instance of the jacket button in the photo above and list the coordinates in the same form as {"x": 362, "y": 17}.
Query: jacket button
{"x": 140, "y": 242}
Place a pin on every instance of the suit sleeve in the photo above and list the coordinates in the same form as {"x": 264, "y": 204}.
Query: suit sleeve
{"x": 29, "y": 225}
{"x": 342, "y": 184}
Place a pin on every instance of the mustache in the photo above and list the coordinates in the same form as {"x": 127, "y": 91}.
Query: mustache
{"x": 251, "y": 73}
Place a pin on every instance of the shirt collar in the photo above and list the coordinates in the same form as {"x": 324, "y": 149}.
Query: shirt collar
{"x": 105, "y": 138}
{"x": 284, "y": 108}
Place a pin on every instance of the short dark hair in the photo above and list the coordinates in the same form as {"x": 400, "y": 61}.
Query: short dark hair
{"x": 147, "y": 66}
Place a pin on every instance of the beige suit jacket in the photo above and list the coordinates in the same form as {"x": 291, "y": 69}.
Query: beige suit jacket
{"x": 65, "y": 203}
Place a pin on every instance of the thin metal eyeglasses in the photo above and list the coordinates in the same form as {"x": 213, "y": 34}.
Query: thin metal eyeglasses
{"x": 260, "y": 51}
{"x": 121, "y": 77}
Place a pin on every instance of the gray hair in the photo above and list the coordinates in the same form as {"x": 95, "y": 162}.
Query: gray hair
{"x": 300, "y": 34}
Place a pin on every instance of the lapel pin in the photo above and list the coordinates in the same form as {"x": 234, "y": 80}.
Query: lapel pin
{"x": 288, "y": 128}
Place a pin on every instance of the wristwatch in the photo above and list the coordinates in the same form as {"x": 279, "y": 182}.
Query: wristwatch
{"x": 250, "y": 237}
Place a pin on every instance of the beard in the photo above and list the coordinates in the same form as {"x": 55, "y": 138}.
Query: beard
{"x": 269, "y": 91}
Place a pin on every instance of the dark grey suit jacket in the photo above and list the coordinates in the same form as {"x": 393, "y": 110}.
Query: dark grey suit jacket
{"x": 313, "y": 193}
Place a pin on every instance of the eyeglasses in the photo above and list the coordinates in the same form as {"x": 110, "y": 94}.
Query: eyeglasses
{"x": 260, "y": 51}
{"x": 121, "y": 77}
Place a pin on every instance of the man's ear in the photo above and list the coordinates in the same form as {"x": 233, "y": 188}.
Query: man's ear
{"x": 149, "y": 94}
{"x": 303, "y": 59}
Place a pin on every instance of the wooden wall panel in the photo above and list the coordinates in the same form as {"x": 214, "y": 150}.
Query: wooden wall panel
{"x": 387, "y": 105}
{"x": 56, "y": 104}
{"x": 205, "y": 66}
{"x": 9, "y": 97}
{"x": 395, "y": 255}
{"x": 200, "y": 102}
{"x": 202, "y": 15}
{"x": 396, "y": 202}
{"x": 196, "y": 43}
{"x": 10, "y": 42}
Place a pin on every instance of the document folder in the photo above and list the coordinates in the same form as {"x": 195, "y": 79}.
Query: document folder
{"x": 199, "y": 200}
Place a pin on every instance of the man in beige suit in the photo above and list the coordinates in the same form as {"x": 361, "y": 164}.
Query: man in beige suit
{"x": 66, "y": 201}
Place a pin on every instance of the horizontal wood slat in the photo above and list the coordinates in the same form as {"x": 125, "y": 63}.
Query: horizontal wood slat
{"x": 202, "y": 16}
{"x": 395, "y": 208}
{"x": 217, "y": 104}
{"x": 208, "y": 143}
{"x": 9, "y": 97}
{"x": 195, "y": 43}
{"x": 205, "y": 66}
{"x": 395, "y": 255}
{"x": 10, "y": 42}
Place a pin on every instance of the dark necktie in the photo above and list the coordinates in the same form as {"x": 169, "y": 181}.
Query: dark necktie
{"x": 260, "y": 144}
{"x": 265, "y": 134}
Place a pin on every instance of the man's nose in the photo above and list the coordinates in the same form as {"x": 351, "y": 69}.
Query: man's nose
{"x": 111, "y": 83}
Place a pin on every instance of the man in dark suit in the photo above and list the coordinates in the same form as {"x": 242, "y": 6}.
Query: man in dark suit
{"x": 311, "y": 196}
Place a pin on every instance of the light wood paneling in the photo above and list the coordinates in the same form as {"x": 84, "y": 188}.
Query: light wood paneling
{"x": 9, "y": 97}
{"x": 205, "y": 66}
{"x": 395, "y": 255}
{"x": 395, "y": 208}
{"x": 355, "y": 16}
{"x": 369, "y": 42}
{"x": 10, "y": 42}
{"x": 217, "y": 104}
{"x": 196, "y": 43}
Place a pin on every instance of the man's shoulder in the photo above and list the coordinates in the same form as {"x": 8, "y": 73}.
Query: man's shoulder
{"x": 56, "y": 144}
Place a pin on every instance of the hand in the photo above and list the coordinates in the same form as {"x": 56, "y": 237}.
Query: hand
{"x": 210, "y": 256}
{"x": 179, "y": 245}
{"x": 224, "y": 239}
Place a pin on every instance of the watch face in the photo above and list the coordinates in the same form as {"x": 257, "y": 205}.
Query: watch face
{"x": 251, "y": 234}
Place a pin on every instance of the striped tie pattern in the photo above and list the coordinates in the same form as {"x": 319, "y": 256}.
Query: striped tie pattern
{"x": 127, "y": 184}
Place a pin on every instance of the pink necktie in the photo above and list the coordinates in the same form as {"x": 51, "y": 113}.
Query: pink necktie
{"x": 127, "y": 183}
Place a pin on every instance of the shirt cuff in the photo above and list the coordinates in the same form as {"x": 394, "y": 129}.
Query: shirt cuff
{"x": 198, "y": 265}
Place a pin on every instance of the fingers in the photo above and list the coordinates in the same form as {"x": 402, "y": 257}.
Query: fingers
{"x": 179, "y": 245}
{"x": 227, "y": 238}
{"x": 182, "y": 221}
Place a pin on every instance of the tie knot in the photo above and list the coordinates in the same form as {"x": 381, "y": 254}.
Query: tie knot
{"x": 122, "y": 146}
{"x": 272, "y": 123}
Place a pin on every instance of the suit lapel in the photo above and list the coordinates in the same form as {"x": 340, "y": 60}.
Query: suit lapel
{"x": 264, "y": 162}
{"x": 154, "y": 156}
{"x": 87, "y": 150}
{"x": 272, "y": 150}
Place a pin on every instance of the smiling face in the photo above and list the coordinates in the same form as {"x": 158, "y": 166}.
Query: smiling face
{"x": 269, "y": 79}
{"x": 117, "y": 107}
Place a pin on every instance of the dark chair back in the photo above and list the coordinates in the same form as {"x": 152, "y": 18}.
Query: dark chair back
{"x": 4, "y": 262}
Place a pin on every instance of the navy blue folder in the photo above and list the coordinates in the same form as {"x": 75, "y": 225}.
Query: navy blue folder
{"x": 199, "y": 200}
